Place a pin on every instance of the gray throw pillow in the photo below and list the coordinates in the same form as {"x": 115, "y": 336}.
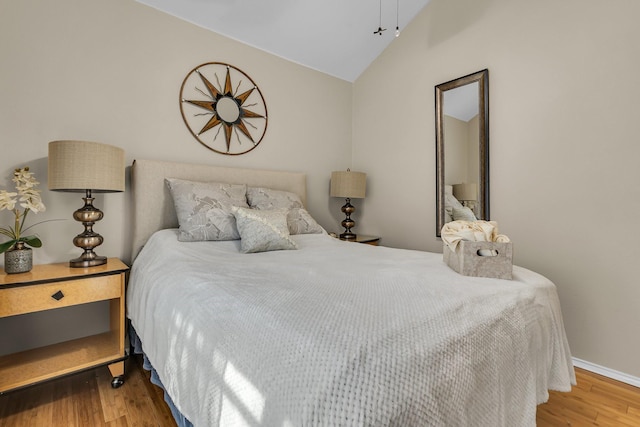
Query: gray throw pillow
{"x": 299, "y": 221}
{"x": 262, "y": 231}
{"x": 204, "y": 209}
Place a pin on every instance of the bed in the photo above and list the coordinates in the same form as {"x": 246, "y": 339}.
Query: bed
{"x": 330, "y": 333}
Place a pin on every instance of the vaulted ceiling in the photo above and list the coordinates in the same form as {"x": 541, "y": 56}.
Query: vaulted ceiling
{"x": 332, "y": 36}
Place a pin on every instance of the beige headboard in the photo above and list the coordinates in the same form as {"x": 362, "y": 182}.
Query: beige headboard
{"x": 153, "y": 208}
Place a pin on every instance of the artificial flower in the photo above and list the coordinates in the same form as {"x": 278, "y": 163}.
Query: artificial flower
{"x": 27, "y": 197}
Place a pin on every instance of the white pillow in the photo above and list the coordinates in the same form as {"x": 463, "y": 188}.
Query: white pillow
{"x": 451, "y": 202}
{"x": 299, "y": 220}
{"x": 463, "y": 214}
{"x": 267, "y": 198}
{"x": 204, "y": 209}
{"x": 262, "y": 231}
{"x": 447, "y": 216}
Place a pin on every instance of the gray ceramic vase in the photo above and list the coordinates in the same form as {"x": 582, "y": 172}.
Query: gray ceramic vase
{"x": 18, "y": 260}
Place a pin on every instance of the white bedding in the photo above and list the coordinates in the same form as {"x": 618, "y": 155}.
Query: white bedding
{"x": 344, "y": 334}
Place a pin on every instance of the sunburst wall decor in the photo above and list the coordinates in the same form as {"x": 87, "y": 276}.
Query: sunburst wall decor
{"x": 223, "y": 108}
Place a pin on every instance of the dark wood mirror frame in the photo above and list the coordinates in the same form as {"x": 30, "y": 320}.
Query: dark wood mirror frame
{"x": 482, "y": 211}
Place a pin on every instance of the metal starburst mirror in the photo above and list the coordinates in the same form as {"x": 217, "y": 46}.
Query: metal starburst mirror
{"x": 223, "y": 108}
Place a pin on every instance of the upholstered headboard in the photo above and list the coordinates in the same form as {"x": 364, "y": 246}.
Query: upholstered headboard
{"x": 153, "y": 207}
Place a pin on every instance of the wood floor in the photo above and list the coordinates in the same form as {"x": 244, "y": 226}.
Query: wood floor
{"x": 87, "y": 399}
{"x": 594, "y": 401}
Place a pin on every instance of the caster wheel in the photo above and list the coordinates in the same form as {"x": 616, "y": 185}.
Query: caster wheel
{"x": 117, "y": 382}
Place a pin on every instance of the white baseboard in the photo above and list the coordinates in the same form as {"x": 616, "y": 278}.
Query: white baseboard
{"x": 609, "y": 373}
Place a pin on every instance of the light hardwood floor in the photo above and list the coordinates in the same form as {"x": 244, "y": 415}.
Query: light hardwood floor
{"x": 87, "y": 399}
{"x": 594, "y": 401}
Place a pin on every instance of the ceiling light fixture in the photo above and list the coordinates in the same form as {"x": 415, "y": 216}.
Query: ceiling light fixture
{"x": 380, "y": 29}
{"x": 397, "y": 18}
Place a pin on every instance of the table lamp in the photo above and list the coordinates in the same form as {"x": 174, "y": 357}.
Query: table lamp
{"x": 86, "y": 167}
{"x": 351, "y": 185}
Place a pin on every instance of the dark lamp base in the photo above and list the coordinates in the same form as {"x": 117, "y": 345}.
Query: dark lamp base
{"x": 348, "y": 223}
{"x": 82, "y": 262}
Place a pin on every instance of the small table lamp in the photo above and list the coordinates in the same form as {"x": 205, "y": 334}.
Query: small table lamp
{"x": 466, "y": 193}
{"x": 86, "y": 167}
{"x": 350, "y": 185}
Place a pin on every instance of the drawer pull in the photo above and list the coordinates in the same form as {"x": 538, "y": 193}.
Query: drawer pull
{"x": 57, "y": 296}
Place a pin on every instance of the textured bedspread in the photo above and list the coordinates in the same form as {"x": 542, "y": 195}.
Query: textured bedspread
{"x": 344, "y": 334}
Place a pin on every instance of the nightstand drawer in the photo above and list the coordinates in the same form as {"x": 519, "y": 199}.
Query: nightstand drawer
{"x": 28, "y": 299}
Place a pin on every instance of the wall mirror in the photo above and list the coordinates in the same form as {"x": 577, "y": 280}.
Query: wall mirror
{"x": 462, "y": 149}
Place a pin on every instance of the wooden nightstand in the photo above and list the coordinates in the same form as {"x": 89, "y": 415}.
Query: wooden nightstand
{"x": 369, "y": 240}
{"x": 51, "y": 286}
{"x": 361, "y": 238}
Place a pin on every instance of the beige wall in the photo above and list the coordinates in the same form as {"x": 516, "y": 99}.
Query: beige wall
{"x": 473, "y": 136}
{"x": 457, "y": 147}
{"x": 564, "y": 148}
{"x": 110, "y": 71}
{"x": 462, "y": 150}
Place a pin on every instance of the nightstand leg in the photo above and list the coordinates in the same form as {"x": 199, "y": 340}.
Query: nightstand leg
{"x": 117, "y": 369}
{"x": 117, "y": 372}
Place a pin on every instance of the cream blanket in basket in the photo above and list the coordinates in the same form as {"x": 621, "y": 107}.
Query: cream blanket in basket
{"x": 454, "y": 232}
{"x": 343, "y": 334}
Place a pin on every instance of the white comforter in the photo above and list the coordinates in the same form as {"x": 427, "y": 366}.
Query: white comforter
{"x": 344, "y": 334}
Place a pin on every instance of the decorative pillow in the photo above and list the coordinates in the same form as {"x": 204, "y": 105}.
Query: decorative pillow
{"x": 463, "y": 214}
{"x": 262, "y": 231}
{"x": 300, "y": 221}
{"x": 447, "y": 217}
{"x": 266, "y": 198}
{"x": 204, "y": 209}
{"x": 451, "y": 202}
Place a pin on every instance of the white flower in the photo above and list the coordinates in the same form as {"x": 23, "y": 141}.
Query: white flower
{"x": 30, "y": 199}
{"x": 26, "y": 185}
{"x": 7, "y": 200}
{"x": 24, "y": 179}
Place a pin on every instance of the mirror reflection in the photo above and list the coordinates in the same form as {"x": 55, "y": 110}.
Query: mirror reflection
{"x": 228, "y": 109}
{"x": 462, "y": 178}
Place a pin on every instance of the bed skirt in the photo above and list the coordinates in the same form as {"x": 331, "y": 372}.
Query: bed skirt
{"x": 136, "y": 347}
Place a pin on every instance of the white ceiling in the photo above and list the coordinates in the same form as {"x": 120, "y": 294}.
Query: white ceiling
{"x": 462, "y": 102}
{"x": 332, "y": 36}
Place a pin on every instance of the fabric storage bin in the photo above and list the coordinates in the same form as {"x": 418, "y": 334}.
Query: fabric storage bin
{"x": 468, "y": 261}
